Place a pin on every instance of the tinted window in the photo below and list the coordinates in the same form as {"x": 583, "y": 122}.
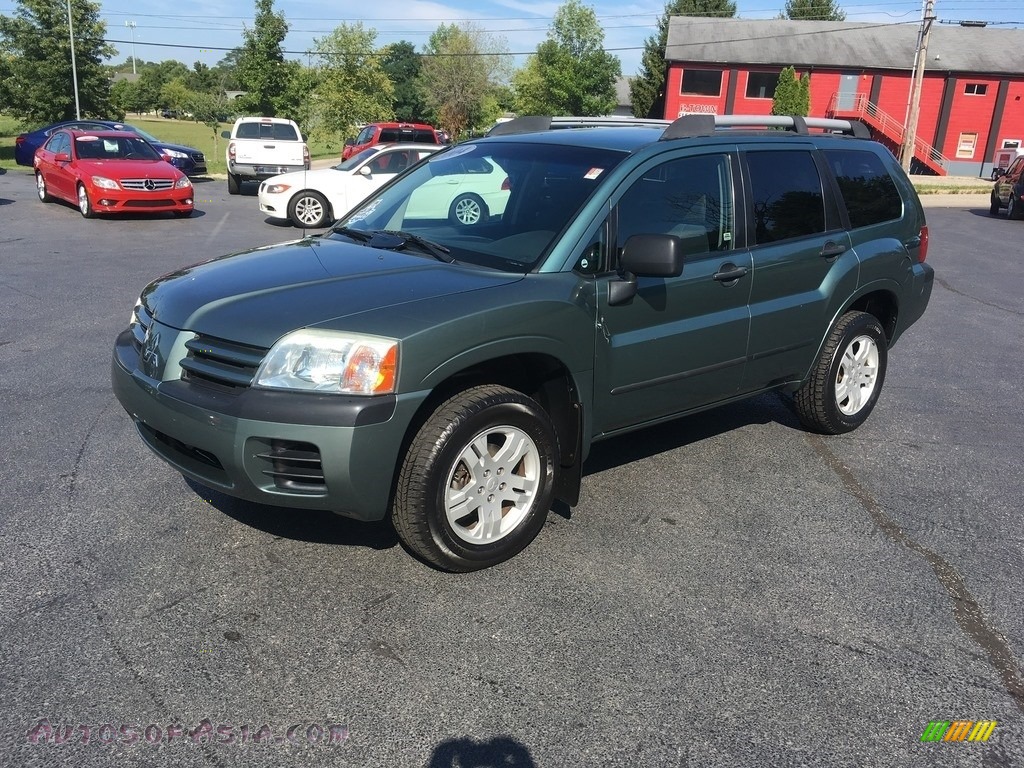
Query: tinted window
{"x": 868, "y": 189}
{"x": 702, "y": 81}
{"x": 690, "y": 198}
{"x": 786, "y": 191}
{"x": 388, "y": 135}
{"x": 761, "y": 85}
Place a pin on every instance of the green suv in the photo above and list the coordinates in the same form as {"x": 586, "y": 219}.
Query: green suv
{"x": 452, "y": 376}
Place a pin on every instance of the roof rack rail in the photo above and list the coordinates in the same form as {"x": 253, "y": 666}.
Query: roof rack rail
{"x": 535, "y": 123}
{"x": 693, "y": 126}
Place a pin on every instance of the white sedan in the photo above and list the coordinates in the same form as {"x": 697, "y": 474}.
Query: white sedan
{"x": 313, "y": 199}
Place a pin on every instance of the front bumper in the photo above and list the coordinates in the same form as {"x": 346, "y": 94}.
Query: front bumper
{"x": 125, "y": 201}
{"x": 287, "y": 449}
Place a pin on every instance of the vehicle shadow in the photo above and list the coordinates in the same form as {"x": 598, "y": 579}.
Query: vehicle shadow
{"x": 499, "y": 752}
{"x": 636, "y": 446}
{"x": 984, "y": 213}
{"x": 311, "y": 525}
{"x": 4, "y": 200}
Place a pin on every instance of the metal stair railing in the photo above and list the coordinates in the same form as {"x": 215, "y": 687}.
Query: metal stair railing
{"x": 890, "y": 126}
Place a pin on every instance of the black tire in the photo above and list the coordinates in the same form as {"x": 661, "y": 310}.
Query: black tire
{"x": 234, "y": 184}
{"x": 44, "y": 196}
{"x": 1014, "y": 210}
{"x": 467, "y": 538}
{"x": 84, "y": 203}
{"x": 833, "y": 400}
{"x": 468, "y": 210}
{"x": 993, "y": 206}
{"x": 309, "y": 210}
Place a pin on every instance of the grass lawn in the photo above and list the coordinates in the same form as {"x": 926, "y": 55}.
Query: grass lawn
{"x": 172, "y": 131}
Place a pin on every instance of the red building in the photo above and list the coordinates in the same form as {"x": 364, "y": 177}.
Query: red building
{"x": 972, "y": 98}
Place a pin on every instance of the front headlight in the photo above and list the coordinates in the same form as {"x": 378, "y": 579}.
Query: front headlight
{"x": 276, "y": 189}
{"x": 174, "y": 153}
{"x": 135, "y": 312}
{"x": 331, "y": 361}
{"x": 104, "y": 183}
{"x": 182, "y": 183}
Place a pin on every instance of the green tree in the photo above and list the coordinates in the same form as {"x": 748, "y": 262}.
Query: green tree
{"x": 38, "y": 84}
{"x": 261, "y": 69}
{"x": 647, "y": 89}
{"x": 202, "y": 79}
{"x": 175, "y": 94}
{"x": 402, "y": 66}
{"x": 126, "y": 96}
{"x": 461, "y": 68}
{"x": 570, "y": 74}
{"x": 349, "y": 82}
{"x": 818, "y": 10}
{"x": 792, "y": 95}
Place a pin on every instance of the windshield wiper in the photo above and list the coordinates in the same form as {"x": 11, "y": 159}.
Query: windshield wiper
{"x": 438, "y": 251}
{"x": 358, "y": 235}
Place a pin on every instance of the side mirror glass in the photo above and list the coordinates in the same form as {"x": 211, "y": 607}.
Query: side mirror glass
{"x": 225, "y": 134}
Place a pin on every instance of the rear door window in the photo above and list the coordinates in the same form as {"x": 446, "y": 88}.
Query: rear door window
{"x": 869, "y": 192}
{"x": 786, "y": 194}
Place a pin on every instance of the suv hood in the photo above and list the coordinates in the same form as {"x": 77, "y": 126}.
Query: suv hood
{"x": 257, "y": 296}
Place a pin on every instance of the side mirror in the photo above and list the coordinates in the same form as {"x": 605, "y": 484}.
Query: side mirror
{"x": 645, "y": 256}
{"x": 225, "y": 134}
{"x": 349, "y": 142}
{"x": 366, "y": 171}
{"x": 62, "y": 157}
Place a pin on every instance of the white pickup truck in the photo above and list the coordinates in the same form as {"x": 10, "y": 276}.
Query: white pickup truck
{"x": 261, "y": 147}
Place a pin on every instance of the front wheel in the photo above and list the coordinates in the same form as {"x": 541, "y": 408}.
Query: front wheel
{"x": 308, "y": 210}
{"x": 993, "y": 206}
{"x": 847, "y": 377}
{"x": 44, "y": 196}
{"x": 477, "y": 481}
{"x": 1013, "y": 208}
{"x": 84, "y": 204}
{"x": 468, "y": 210}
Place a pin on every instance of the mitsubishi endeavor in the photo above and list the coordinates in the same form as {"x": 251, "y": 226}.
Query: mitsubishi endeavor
{"x": 452, "y": 377}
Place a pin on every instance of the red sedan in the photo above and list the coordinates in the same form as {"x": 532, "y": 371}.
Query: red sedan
{"x": 110, "y": 172}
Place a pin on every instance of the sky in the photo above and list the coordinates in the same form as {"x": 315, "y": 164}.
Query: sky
{"x": 192, "y": 30}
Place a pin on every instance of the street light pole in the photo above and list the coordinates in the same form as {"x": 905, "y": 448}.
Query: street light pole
{"x": 131, "y": 26}
{"x": 74, "y": 67}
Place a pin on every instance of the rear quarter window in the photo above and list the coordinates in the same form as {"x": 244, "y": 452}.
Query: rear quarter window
{"x": 868, "y": 190}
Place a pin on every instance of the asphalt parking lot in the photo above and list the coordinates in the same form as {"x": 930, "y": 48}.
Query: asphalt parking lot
{"x": 730, "y": 591}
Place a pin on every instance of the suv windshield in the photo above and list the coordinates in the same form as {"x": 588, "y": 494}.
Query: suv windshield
{"x": 495, "y": 204}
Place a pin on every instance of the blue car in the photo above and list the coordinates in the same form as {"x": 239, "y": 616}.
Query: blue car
{"x": 188, "y": 160}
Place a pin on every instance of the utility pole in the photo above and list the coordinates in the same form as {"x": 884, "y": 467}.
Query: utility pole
{"x": 914, "y": 112}
{"x": 74, "y": 67}
{"x": 131, "y": 26}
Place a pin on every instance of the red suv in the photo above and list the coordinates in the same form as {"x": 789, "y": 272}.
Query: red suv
{"x": 389, "y": 133}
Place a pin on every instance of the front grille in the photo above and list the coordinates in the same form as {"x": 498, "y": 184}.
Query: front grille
{"x": 150, "y": 203}
{"x": 220, "y": 364}
{"x": 184, "y": 449}
{"x": 296, "y": 467}
{"x": 199, "y": 157}
{"x": 147, "y": 185}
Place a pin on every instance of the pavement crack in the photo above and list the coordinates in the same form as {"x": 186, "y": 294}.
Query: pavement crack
{"x": 958, "y": 292}
{"x": 966, "y": 611}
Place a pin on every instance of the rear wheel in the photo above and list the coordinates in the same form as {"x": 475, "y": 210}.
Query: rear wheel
{"x": 993, "y": 206}
{"x": 309, "y": 210}
{"x": 468, "y": 210}
{"x": 84, "y": 204}
{"x": 44, "y": 196}
{"x": 1014, "y": 210}
{"x": 234, "y": 184}
{"x": 847, "y": 377}
{"x": 477, "y": 481}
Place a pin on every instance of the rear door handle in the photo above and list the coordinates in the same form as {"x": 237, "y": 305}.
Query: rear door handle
{"x": 729, "y": 273}
{"x": 832, "y": 249}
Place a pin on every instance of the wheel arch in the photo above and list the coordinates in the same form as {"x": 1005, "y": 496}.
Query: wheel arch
{"x": 883, "y": 304}
{"x": 540, "y": 376}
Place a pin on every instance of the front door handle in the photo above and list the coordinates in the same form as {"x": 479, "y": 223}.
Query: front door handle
{"x": 832, "y": 249}
{"x": 729, "y": 273}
